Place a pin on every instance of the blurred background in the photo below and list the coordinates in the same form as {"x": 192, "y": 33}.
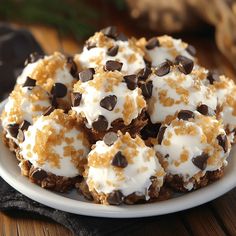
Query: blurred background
{"x": 210, "y": 25}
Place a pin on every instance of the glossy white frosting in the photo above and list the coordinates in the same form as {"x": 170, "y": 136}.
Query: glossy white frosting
{"x": 183, "y": 92}
{"x": 169, "y": 48}
{"x": 131, "y": 58}
{"x": 91, "y": 96}
{"x": 24, "y": 103}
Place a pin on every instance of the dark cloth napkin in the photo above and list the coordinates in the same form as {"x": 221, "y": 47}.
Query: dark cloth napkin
{"x": 15, "y": 46}
{"x": 10, "y": 199}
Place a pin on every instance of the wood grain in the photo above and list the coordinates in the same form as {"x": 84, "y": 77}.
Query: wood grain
{"x": 24, "y": 224}
{"x": 201, "y": 221}
{"x": 225, "y": 209}
{"x": 215, "y": 218}
{"x": 164, "y": 226}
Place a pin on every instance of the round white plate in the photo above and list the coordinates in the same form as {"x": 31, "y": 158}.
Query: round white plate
{"x": 74, "y": 203}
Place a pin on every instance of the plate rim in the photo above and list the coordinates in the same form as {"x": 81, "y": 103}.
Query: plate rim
{"x": 57, "y": 201}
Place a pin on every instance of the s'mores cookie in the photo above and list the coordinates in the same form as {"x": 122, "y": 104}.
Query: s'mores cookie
{"x": 54, "y": 151}
{"x": 108, "y": 101}
{"x": 24, "y": 105}
{"x": 122, "y": 169}
{"x": 193, "y": 150}
{"x": 55, "y": 73}
{"x": 108, "y": 45}
{"x": 160, "y": 49}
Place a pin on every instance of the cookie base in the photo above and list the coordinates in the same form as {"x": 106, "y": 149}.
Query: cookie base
{"x": 155, "y": 194}
{"x": 177, "y": 184}
{"x": 133, "y": 128}
{"x": 48, "y": 180}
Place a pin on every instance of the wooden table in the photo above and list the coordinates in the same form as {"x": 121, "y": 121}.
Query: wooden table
{"x": 215, "y": 218}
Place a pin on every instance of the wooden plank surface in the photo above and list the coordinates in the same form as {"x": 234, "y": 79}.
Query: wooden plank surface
{"x": 215, "y": 218}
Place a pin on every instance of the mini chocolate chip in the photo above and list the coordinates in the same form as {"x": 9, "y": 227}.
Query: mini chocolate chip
{"x": 223, "y": 142}
{"x": 100, "y": 124}
{"x": 59, "y": 90}
{"x": 29, "y": 82}
{"x": 24, "y": 125}
{"x": 213, "y": 76}
{"x": 191, "y": 50}
{"x": 113, "y": 65}
{"x": 90, "y": 45}
{"x": 115, "y": 198}
{"x": 86, "y": 75}
{"x": 185, "y": 65}
{"x": 110, "y": 32}
{"x": 161, "y": 134}
{"x": 147, "y": 89}
{"x": 152, "y": 43}
{"x": 153, "y": 178}
{"x": 110, "y": 138}
{"x": 205, "y": 110}
{"x": 171, "y": 63}
{"x": 38, "y": 174}
{"x": 150, "y": 130}
{"x": 113, "y": 51}
{"x": 48, "y": 111}
{"x": 201, "y": 161}
{"x": 76, "y": 99}
{"x": 33, "y": 57}
{"x": 185, "y": 115}
{"x": 122, "y": 37}
{"x": 144, "y": 73}
{"x": 109, "y": 102}
{"x": 163, "y": 69}
{"x": 119, "y": 160}
{"x": 147, "y": 62}
{"x": 54, "y": 101}
{"x": 13, "y": 129}
{"x": 20, "y": 136}
{"x": 73, "y": 66}
{"x": 131, "y": 81}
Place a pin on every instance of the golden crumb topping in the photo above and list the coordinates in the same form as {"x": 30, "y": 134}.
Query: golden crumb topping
{"x": 168, "y": 42}
{"x": 102, "y": 80}
{"x": 36, "y": 98}
{"x": 210, "y": 128}
{"x": 45, "y": 72}
{"x": 140, "y": 100}
{"x": 134, "y": 44}
{"x": 165, "y": 100}
{"x": 199, "y": 73}
{"x": 231, "y": 101}
{"x": 223, "y": 83}
{"x": 186, "y": 130}
{"x": 106, "y": 80}
{"x": 129, "y": 103}
{"x": 129, "y": 109}
{"x": 180, "y": 90}
{"x": 184, "y": 156}
{"x": 101, "y": 40}
{"x": 128, "y": 146}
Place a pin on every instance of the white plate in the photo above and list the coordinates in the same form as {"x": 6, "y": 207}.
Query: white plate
{"x": 74, "y": 203}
